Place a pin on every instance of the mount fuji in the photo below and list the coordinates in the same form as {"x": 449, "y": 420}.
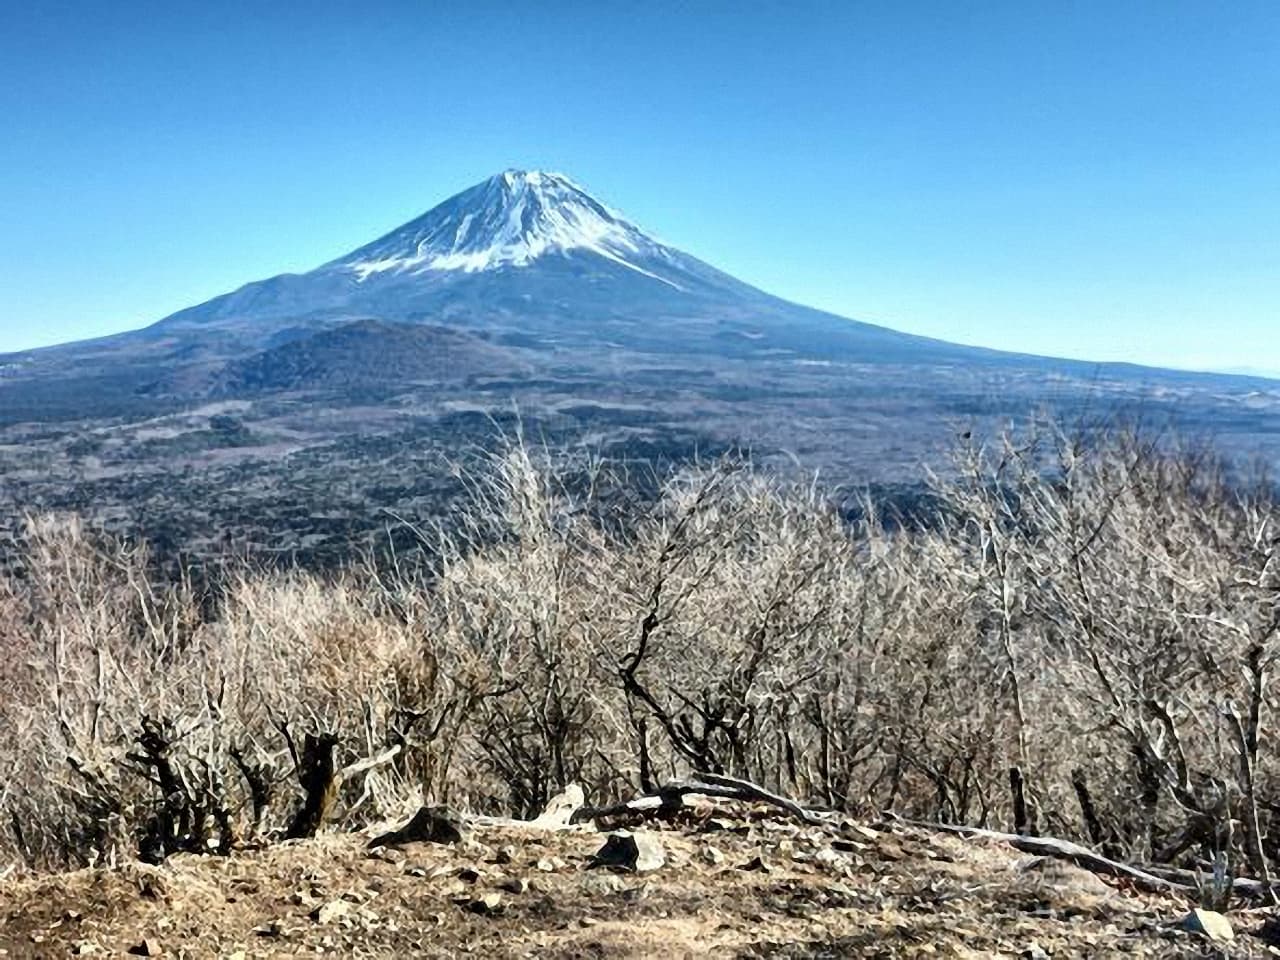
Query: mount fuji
{"x": 532, "y": 256}
{"x": 524, "y": 276}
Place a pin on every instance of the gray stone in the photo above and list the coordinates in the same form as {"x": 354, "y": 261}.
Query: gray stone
{"x": 506, "y": 854}
{"x": 602, "y": 884}
{"x": 637, "y": 852}
{"x": 330, "y": 912}
{"x": 487, "y": 905}
{"x": 561, "y": 809}
{"x": 514, "y": 885}
{"x": 1210, "y": 924}
{"x": 428, "y": 825}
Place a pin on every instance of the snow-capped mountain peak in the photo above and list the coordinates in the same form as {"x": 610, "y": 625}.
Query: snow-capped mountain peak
{"x": 510, "y": 219}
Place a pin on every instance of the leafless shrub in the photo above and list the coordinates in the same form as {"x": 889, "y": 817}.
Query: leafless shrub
{"x": 1090, "y": 619}
{"x": 140, "y": 727}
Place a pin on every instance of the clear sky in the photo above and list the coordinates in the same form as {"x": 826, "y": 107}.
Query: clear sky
{"x": 1087, "y": 179}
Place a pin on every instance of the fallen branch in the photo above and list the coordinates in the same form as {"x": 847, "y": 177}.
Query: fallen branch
{"x": 444, "y": 825}
{"x": 1245, "y": 886}
{"x": 668, "y": 799}
{"x": 1148, "y": 879}
{"x": 562, "y": 812}
{"x": 746, "y": 790}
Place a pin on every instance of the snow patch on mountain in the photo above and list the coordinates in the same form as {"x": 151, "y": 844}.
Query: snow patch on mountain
{"x": 510, "y": 220}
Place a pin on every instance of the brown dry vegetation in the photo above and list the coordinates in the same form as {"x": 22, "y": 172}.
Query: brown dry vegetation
{"x": 1098, "y": 614}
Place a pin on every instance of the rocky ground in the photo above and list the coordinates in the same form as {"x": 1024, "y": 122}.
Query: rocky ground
{"x": 721, "y": 882}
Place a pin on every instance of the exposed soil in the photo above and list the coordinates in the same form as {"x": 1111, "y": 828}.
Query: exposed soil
{"x": 731, "y": 887}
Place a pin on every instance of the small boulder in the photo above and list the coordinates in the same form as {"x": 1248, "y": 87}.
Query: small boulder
{"x": 560, "y": 809}
{"x": 1269, "y": 932}
{"x": 1064, "y": 879}
{"x": 506, "y": 854}
{"x": 602, "y": 884}
{"x": 487, "y": 905}
{"x": 150, "y": 947}
{"x": 514, "y": 885}
{"x": 330, "y": 912}
{"x": 1209, "y": 923}
{"x": 390, "y": 855}
{"x": 636, "y": 852}
{"x": 428, "y": 825}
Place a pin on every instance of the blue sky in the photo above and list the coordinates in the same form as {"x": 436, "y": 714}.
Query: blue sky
{"x": 1096, "y": 180}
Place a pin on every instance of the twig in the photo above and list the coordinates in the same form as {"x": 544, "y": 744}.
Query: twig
{"x": 368, "y": 763}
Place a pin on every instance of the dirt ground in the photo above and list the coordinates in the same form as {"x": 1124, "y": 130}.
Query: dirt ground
{"x": 751, "y": 887}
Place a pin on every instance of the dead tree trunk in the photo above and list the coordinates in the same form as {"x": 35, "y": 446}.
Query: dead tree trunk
{"x": 319, "y": 779}
{"x": 1089, "y": 812}
{"x": 1021, "y": 821}
{"x": 259, "y": 777}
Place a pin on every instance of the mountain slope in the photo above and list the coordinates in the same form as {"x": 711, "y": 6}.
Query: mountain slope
{"x": 359, "y": 356}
